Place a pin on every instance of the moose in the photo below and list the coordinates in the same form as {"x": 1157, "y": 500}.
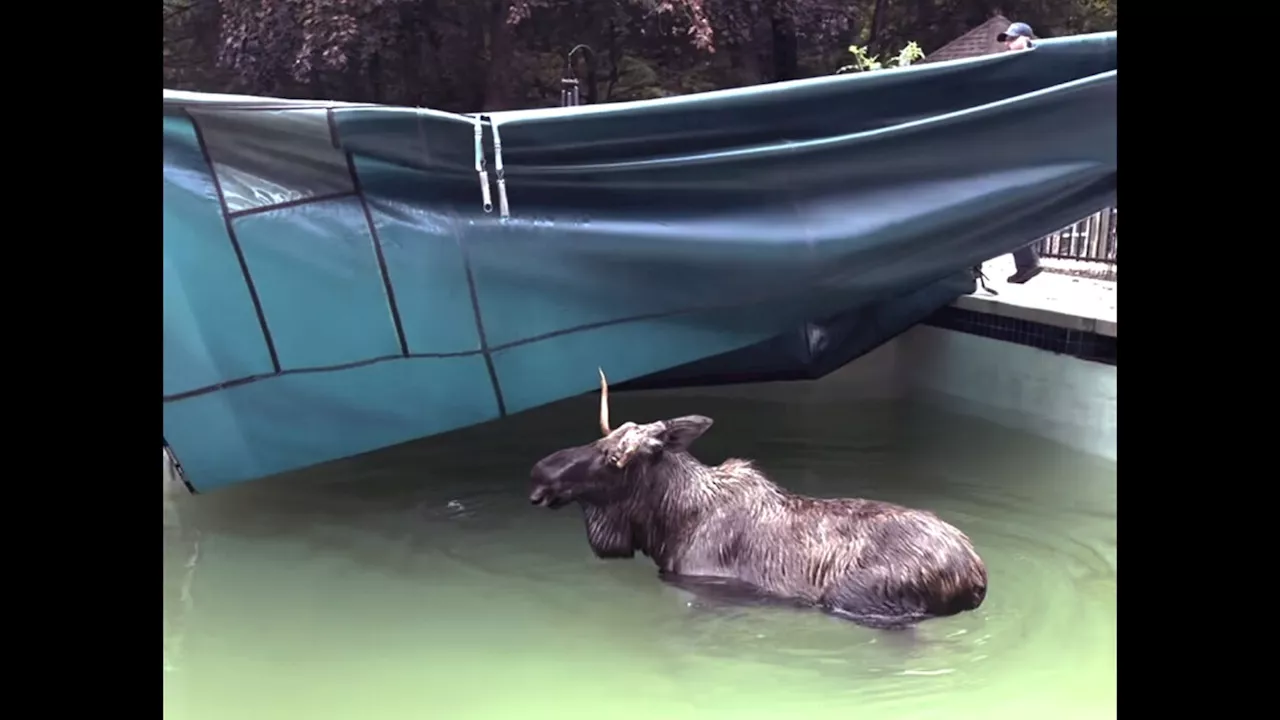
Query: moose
{"x": 877, "y": 564}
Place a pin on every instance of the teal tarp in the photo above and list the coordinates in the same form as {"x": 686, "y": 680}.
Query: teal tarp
{"x": 332, "y": 283}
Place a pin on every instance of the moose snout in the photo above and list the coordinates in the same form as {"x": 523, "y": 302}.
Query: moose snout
{"x": 544, "y": 486}
{"x": 547, "y": 497}
{"x": 552, "y": 477}
{"x": 538, "y": 496}
{"x": 541, "y": 485}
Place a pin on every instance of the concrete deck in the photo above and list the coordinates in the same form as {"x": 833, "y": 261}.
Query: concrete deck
{"x": 1075, "y": 303}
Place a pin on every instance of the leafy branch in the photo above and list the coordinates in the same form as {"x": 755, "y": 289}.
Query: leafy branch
{"x": 863, "y": 61}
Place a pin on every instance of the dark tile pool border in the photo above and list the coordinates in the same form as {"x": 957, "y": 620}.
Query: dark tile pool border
{"x": 1064, "y": 341}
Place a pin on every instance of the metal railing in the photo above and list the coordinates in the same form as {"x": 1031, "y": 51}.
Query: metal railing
{"x": 1092, "y": 239}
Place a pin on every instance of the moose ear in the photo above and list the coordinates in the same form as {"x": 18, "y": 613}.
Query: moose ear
{"x": 680, "y": 432}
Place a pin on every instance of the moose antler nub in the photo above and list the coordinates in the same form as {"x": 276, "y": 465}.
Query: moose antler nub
{"x": 604, "y": 404}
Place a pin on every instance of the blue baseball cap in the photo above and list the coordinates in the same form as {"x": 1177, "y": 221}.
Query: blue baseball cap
{"x": 1016, "y": 30}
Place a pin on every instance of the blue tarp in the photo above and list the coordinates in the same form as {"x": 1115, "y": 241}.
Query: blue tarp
{"x": 333, "y": 283}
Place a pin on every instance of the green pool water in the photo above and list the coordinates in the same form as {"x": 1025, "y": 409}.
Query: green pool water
{"x": 418, "y": 583}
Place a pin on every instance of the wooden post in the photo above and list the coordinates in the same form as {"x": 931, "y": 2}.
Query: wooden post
{"x": 1093, "y": 247}
{"x": 1104, "y": 234}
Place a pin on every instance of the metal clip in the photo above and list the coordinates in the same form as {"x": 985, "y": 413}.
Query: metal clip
{"x": 480, "y": 165}
{"x": 504, "y": 210}
{"x": 485, "y": 197}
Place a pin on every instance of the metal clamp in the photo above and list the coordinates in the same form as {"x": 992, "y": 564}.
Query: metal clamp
{"x": 480, "y": 166}
{"x": 504, "y": 210}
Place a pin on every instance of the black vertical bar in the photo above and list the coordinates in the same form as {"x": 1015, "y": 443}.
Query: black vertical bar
{"x": 235, "y": 244}
{"x": 377, "y": 251}
{"x": 484, "y": 341}
{"x": 373, "y": 232}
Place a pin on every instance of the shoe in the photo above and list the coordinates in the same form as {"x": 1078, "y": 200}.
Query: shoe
{"x": 1023, "y": 276}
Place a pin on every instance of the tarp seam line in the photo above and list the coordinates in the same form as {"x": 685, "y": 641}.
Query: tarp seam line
{"x": 235, "y": 214}
{"x": 485, "y": 349}
{"x": 248, "y": 379}
{"x": 182, "y": 475}
{"x": 484, "y": 342}
{"x": 377, "y": 251}
{"x": 235, "y": 244}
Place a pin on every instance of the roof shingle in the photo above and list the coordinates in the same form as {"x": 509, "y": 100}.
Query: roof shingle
{"x": 978, "y": 41}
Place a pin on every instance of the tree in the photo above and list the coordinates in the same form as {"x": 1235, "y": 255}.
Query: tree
{"x": 468, "y": 55}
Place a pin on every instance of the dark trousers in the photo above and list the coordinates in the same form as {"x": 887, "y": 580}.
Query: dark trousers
{"x": 1025, "y": 258}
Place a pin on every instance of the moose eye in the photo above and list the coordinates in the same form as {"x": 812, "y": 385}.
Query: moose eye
{"x": 613, "y": 459}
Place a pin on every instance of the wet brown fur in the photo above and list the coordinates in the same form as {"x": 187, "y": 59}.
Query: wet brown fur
{"x": 876, "y": 563}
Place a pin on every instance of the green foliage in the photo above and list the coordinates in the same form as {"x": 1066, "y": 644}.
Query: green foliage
{"x": 864, "y": 61}
{"x": 909, "y": 54}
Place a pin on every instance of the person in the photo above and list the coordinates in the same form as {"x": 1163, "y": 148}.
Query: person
{"x": 1019, "y": 36}
{"x": 1026, "y": 262}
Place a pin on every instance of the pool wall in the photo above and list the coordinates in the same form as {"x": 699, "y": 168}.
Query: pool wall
{"x": 1054, "y": 395}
